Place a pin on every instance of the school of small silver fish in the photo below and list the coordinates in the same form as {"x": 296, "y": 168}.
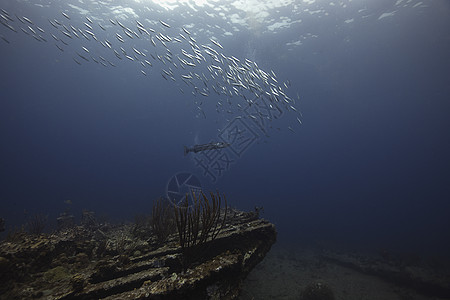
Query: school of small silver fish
{"x": 237, "y": 85}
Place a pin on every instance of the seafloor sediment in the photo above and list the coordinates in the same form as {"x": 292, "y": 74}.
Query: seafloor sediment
{"x": 126, "y": 262}
{"x": 293, "y": 272}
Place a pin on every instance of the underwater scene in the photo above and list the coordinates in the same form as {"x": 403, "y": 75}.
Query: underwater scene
{"x": 225, "y": 149}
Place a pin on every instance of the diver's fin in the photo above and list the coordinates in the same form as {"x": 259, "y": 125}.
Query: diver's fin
{"x": 186, "y": 150}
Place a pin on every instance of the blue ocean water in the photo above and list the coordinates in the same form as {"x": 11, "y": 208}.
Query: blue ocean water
{"x": 337, "y": 113}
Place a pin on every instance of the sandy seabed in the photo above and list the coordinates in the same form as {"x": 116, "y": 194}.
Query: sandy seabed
{"x": 286, "y": 271}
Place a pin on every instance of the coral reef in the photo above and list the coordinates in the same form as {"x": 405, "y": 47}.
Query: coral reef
{"x": 162, "y": 221}
{"x": 36, "y": 224}
{"x": 99, "y": 260}
{"x": 198, "y": 223}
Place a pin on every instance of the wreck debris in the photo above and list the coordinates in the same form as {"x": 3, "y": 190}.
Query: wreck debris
{"x": 423, "y": 279}
{"x": 108, "y": 262}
